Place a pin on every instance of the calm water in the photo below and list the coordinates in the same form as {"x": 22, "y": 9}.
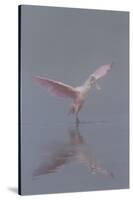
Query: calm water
{"x": 64, "y": 157}
{"x": 68, "y": 44}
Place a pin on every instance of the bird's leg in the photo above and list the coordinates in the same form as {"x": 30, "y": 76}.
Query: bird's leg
{"x": 77, "y": 120}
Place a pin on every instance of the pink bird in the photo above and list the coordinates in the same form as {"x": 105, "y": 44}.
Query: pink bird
{"x": 78, "y": 94}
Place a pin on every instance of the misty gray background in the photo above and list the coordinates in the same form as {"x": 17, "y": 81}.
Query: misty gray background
{"x": 68, "y": 44}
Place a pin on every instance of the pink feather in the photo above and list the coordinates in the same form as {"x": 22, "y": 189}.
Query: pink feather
{"x": 58, "y": 88}
{"x": 102, "y": 71}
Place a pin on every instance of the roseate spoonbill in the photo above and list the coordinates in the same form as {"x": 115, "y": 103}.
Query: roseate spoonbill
{"x": 78, "y": 94}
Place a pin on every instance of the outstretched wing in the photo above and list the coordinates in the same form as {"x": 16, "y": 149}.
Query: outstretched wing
{"x": 102, "y": 71}
{"x": 58, "y": 88}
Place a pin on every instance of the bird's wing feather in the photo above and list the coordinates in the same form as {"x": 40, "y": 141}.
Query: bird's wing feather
{"x": 58, "y": 88}
{"x": 102, "y": 71}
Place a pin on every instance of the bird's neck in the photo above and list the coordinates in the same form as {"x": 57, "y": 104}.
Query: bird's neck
{"x": 87, "y": 85}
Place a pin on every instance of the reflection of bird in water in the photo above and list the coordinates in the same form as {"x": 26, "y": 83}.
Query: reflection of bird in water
{"x": 76, "y": 150}
{"x": 78, "y": 94}
{"x": 56, "y": 160}
{"x": 84, "y": 155}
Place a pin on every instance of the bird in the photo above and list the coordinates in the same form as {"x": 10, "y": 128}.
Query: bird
{"x": 77, "y": 94}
